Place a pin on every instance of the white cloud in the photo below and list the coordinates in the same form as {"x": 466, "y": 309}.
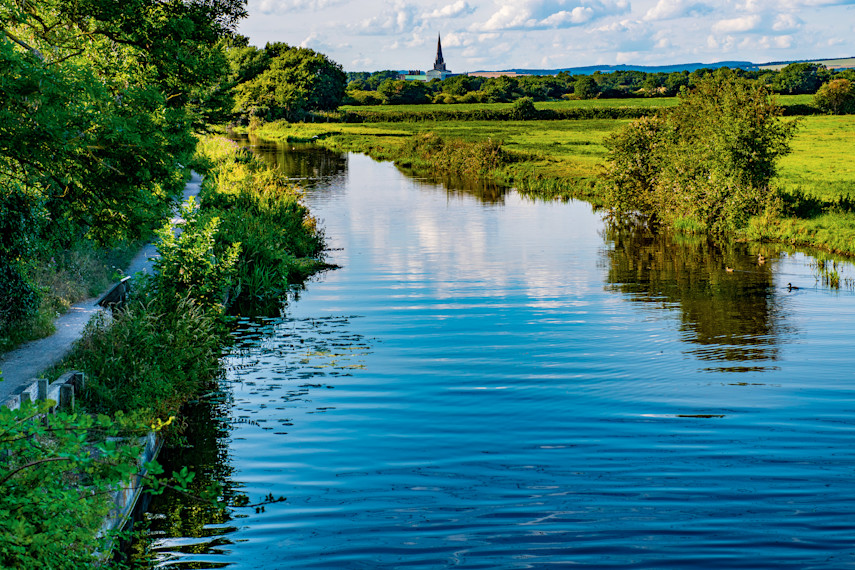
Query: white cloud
{"x": 668, "y": 9}
{"x": 737, "y": 25}
{"x": 549, "y": 14}
{"x": 399, "y": 17}
{"x": 786, "y": 23}
{"x": 502, "y": 34}
{"x": 455, "y": 10}
{"x": 285, "y": 6}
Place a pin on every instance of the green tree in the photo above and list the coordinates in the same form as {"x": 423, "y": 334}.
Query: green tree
{"x": 502, "y": 89}
{"x": 295, "y": 82}
{"x": 709, "y": 162}
{"x": 400, "y": 92}
{"x": 97, "y": 104}
{"x": 586, "y": 87}
{"x": 800, "y": 78}
{"x": 836, "y": 97}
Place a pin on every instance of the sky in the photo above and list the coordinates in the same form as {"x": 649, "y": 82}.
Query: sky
{"x": 478, "y": 35}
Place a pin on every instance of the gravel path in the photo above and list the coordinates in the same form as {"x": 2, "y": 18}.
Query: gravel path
{"x": 21, "y": 366}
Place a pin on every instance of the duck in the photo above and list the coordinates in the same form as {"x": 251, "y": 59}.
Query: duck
{"x": 728, "y": 269}
{"x": 760, "y": 259}
{"x": 791, "y": 287}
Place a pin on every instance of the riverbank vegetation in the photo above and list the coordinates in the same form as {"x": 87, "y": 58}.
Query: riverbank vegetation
{"x": 152, "y": 356}
{"x": 707, "y": 164}
{"x": 98, "y": 109}
{"x": 566, "y": 159}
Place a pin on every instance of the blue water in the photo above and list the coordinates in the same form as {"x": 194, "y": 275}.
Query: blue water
{"x": 516, "y": 384}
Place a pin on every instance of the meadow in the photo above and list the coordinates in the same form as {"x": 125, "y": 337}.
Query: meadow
{"x": 565, "y": 158}
{"x": 633, "y": 103}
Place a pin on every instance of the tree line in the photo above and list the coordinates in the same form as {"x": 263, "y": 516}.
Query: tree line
{"x": 383, "y": 87}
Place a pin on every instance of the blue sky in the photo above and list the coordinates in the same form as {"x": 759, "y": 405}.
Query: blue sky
{"x": 367, "y": 35}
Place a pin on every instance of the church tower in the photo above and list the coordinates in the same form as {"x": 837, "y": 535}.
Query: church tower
{"x": 439, "y": 64}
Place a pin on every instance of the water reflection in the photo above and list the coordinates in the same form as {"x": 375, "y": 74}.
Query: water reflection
{"x": 464, "y": 391}
{"x": 179, "y": 530}
{"x": 485, "y": 191}
{"x": 313, "y": 166}
{"x": 727, "y": 300}
{"x": 304, "y": 163}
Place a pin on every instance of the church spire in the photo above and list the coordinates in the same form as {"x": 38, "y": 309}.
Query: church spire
{"x": 439, "y": 64}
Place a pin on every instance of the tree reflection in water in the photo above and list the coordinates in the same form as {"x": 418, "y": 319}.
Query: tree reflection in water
{"x": 725, "y": 294}
{"x": 304, "y": 163}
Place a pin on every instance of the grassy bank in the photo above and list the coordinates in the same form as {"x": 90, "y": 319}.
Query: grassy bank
{"x": 564, "y": 158}
{"x": 238, "y": 253}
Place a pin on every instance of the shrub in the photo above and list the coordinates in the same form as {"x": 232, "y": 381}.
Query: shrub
{"x": 836, "y": 97}
{"x": 456, "y": 157}
{"x": 523, "y": 109}
{"x": 711, "y": 159}
{"x": 190, "y": 266}
{"x": 54, "y": 491}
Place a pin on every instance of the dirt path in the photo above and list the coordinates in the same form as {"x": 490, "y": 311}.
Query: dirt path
{"x": 22, "y": 365}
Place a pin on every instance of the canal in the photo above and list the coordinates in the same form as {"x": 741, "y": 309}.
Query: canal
{"x": 491, "y": 381}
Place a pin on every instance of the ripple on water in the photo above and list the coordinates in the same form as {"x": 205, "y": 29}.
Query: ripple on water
{"x": 516, "y": 385}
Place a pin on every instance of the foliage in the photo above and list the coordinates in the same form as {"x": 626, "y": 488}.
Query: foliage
{"x": 400, "y": 92}
{"x": 55, "y": 478}
{"x": 836, "y": 97}
{"x": 256, "y": 206}
{"x": 58, "y": 473}
{"x": 711, "y": 159}
{"x": 148, "y": 356}
{"x": 58, "y": 279}
{"x": 800, "y": 78}
{"x": 97, "y": 103}
{"x": 293, "y": 82}
{"x": 456, "y": 156}
{"x": 586, "y": 88}
{"x": 524, "y": 109}
{"x": 369, "y": 81}
{"x": 191, "y": 265}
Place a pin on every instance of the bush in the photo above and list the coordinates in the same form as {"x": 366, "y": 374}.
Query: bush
{"x": 523, "y": 109}
{"x": 54, "y": 491}
{"x": 456, "y": 157}
{"x": 836, "y": 97}
{"x": 709, "y": 160}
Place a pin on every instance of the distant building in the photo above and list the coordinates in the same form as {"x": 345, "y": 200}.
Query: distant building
{"x": 438, "y": 72}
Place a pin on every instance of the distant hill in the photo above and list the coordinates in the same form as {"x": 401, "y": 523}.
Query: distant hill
{"x": 836, "y": 63}
{"x": 588, "y": 70}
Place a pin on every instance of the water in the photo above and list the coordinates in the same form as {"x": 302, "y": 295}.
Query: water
{"x": 494, "y": 382}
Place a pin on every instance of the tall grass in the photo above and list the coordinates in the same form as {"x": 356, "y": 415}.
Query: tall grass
{"x": 280, "y": 242}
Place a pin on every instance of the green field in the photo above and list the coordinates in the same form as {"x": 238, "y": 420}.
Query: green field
{"x": 842, "y": 63}
{"x": 644, "y": 103}
{"x": 635, "y": 103}
{"x": 566, "y": 157}
{"x": 821, "y": 163}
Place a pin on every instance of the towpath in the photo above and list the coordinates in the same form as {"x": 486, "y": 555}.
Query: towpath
{"x": 22, "y": 365}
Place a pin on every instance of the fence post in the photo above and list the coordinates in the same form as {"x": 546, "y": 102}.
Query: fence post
{"x": 66, "y": 396}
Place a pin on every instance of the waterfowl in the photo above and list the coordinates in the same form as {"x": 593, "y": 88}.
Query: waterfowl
{"x": 791, "y": 287}
{"x": 728, "y": 269}
{"x": 761, "y": 260}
